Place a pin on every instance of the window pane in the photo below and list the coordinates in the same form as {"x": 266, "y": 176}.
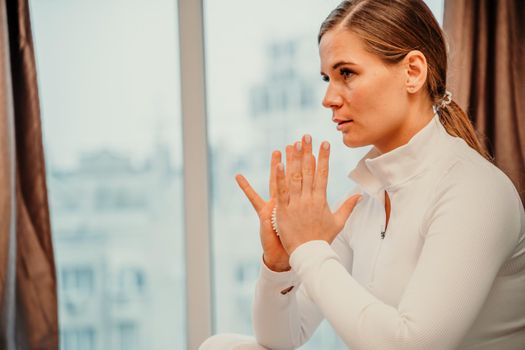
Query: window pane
{"x": 264, "y": 92}
{"x": 109, "y": 87}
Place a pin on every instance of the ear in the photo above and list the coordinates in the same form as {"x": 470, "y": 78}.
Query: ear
{"x": 415, "y": 70}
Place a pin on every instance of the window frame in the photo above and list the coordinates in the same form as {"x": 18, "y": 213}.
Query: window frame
{"x": 196, "y": 173}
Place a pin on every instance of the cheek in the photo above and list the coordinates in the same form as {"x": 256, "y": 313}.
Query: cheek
{"x": 376, "y": 97}
{"x": 365, "y": 90}
{"x": 374, "y": 102}
{"x": 364, "y": 95}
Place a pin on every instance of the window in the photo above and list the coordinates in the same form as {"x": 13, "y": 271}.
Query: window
{"x": 78, "y": 339}
{"x": 130, "y": 284}
{"x": 77, "y": 279}
{"x": 109, "y": 89}
{"x": 128, "y": 337}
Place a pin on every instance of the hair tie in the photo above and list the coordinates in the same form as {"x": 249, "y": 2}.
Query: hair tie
{"x": 445, "y": 101}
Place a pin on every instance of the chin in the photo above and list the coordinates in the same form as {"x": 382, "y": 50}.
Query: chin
{"x": 353, "y": 142}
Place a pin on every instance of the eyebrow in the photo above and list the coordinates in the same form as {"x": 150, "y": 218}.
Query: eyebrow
{"x": 339, "y": 64}
{"x": 342, "y": 63}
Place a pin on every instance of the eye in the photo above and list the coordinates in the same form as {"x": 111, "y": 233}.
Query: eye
{"x": 346, "y": 73}
{"x": 325, "y": 78}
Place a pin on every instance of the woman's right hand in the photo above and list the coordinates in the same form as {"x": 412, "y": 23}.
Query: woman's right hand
{"x": 274, "y": 255}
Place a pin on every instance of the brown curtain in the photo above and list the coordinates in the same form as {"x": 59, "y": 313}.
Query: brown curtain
{"x": 487, "y": 75}
{"x": 29, "y": 317}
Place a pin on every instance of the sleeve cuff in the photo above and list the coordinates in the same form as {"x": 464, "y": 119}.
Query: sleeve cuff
{"x": 279, "y": 282}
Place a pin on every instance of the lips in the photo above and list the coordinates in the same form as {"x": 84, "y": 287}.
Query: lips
{"x": 342, "y": 123}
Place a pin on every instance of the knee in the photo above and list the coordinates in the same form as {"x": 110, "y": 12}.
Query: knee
{"x": 230, "y": 342}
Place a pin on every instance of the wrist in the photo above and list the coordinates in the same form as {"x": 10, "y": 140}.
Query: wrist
{"x": 276, "y": 266}
{"x": 294, "y": 245}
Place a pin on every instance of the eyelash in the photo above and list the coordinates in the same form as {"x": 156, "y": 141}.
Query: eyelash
{"x": 345, "y": 73}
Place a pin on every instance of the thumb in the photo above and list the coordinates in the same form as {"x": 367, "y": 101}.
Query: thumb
{"x": 256, "y": 200}
{"x": 344, "y": 211}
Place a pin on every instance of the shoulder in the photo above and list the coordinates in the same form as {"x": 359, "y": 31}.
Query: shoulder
{"x": 472, "y": 189}
{"x": 470, "y": 173}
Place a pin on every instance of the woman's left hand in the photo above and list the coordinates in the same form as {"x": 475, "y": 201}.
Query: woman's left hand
{"x": 303, "y": 213}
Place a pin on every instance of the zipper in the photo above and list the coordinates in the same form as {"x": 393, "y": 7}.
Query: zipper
{"x": 383, "y": 223}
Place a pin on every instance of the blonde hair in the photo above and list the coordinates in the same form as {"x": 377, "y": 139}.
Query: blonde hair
{"x": 391, "y": 29}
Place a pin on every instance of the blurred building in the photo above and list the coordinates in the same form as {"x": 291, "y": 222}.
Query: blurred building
{"x": 118, "y": 242}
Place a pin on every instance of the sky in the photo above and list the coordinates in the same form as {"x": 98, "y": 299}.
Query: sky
{"x": 108, "y": 75}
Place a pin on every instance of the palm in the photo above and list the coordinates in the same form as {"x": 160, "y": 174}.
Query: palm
{"x": 272, "y": 247}
{"x": 270, "y": 241}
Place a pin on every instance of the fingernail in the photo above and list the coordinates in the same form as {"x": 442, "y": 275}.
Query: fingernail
{"x": 298, "y": 146}
{"x": 326, "y": 145}
{"x": 307, "y": 139}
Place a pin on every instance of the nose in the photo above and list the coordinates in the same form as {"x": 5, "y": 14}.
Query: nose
{"x": 332, "y": 99}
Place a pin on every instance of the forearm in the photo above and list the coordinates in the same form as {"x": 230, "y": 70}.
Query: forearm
{"x": 359, "y": 318}
{"x": 424, "y": 319}
{"x": 279, "y": 322}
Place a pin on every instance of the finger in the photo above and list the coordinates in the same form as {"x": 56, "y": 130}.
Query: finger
{"x": 344, "y": 211}
{"x": 308, "y": 165}
{"x": 253, "y": 197}
{"x": 282, "y": 187}
{"x": 314, "y": 165}
{"x": 296, "y": 172}
{"x": 276, "y": 159}
{"x": 321, "y": 174}
{"x": 289, "y": 153}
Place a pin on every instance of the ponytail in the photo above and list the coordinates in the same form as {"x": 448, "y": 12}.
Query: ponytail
{"x": 457, "y": 123}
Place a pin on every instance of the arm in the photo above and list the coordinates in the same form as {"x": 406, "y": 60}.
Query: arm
{"x": 470, "y": 231}
{"x": 286, "y": 321}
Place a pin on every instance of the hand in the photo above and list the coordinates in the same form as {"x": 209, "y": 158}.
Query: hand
{"x": 303, "y": 213}
{"x": 274, "y": 254}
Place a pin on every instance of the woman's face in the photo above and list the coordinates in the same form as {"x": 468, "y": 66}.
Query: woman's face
{"x": 368, "y": 98}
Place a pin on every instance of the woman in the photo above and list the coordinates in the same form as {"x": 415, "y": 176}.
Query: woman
{"x": 430, "y": 251}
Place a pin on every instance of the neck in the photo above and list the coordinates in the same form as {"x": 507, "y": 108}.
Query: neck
{"x": 417, "y": 117}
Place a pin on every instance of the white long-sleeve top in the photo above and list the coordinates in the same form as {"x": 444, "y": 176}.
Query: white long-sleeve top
{"x": 449, "y": 273}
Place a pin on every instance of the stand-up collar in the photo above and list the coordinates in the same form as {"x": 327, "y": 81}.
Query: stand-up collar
{"x": 376, "y": 172}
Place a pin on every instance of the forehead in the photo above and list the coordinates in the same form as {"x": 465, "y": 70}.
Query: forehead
{"x": 341, "y": 44}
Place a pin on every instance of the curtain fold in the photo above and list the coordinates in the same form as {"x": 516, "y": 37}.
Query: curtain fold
{"x": 487, "y": 75}
{"x": 7, "y": 193}
{"x": 31, "y": 314}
